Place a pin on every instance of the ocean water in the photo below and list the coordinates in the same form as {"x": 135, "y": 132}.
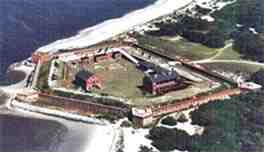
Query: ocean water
{"x": 26, "y": 25}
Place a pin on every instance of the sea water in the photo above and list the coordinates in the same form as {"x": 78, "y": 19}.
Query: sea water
{"x": 26, "y": 25}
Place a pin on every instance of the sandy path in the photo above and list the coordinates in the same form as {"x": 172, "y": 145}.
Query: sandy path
{"x": 233, "y": 61}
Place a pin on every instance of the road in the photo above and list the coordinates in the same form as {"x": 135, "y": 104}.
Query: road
{"x": 219, "y": 52}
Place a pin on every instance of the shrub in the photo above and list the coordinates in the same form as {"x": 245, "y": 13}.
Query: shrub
{"x": 169, "y": 121}
{"x": 144, "y": 148}
{"x": 126, "y": 124}
{"x": 163, "y": 138}
{"x": 182, "y": 118}
{"x": 107, "y": 116}
{"x": 166, "y": 139}
{"x": 214, "y": 39}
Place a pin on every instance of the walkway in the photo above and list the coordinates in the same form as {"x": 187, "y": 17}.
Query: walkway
{"x": 230, "y": 61}
{"x": 219, "y": 52}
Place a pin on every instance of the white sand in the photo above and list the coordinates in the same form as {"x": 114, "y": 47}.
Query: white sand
{"x": 105, "y": 137}
{"x": 134, "y": 138}
{"x": 216, "y": 4}
{"x": 208, "y": 18}
{"x": 133, "y": 20}
{"x": 110, "y": 28}
{"x": 186, "y": 126}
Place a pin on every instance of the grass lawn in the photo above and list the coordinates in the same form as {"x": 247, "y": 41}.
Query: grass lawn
{"x": 177, "y": 47}
{"x": 60, "y": 69}
{"x": 42, "y": 81}
{"x": 235, "y": 67}
{"x": 229, "y": 54}
{"x": 194, "y": 51}
{"x": 120, "y": 79}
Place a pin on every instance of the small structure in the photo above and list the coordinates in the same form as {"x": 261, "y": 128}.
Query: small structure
{"x": 142, "y": 116}
{"x": 106, "y": 56}
{"x": 27, "y": 95}
{"x": 87, "y": 80}
{"x": 159, "y": 81}
{"x": 41, "y": 57}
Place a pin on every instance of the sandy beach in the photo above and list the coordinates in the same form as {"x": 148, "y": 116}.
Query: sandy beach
{"x": 81, "y": 136}
{"x": 113, "y": 27}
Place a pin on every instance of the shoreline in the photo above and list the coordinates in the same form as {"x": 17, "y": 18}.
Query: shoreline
{"x": 98, "y": 132}
{"x": 12, "y": 77}
{"x": 76, "y": 138}
{"x": 104, "y": 132}
{"x": 116, "y": 26}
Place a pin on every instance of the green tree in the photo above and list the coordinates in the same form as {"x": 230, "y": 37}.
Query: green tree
{"x": 251, "y": 13}
{"x": 144, "y": 148}
{"x": 250, "y": 45}
{"x": 169, "y": 121}
{"x": 215, "y": 39}
{"x": 258, "y": 77}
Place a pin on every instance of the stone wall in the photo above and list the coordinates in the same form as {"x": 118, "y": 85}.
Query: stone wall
{"x": 192, "y": 102}
{"x": 80, "y": 106}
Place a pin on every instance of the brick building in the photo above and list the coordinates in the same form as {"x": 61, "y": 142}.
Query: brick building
{"x": 160, "y": 81}
{"x": 87, "y": 80}
{"x": 40, "y": 56}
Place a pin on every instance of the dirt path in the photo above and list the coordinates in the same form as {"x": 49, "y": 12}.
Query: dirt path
{"x": 219, "y": 52}
{"x": 232, "y": 61}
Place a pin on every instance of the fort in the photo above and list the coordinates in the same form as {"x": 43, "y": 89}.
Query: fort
{"x": 123, "y": 78}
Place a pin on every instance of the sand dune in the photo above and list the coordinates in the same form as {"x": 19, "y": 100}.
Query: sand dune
{"x": 112, "y": 27}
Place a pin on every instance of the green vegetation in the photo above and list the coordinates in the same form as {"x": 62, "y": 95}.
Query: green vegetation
{"x": 144, "y": 148}
{"x": 234, "y": 67}
{"x": 230, "y": 125}
{"x": 250, "y": 45}
{"x": 124, "y": 80}
{"x": 126, "y": 124}
{"x": 60, "y": 69}
{"x": 182, "y": 118}
{"x": 251, "y": 14}
{"x": 171, "y": 121}
{"x": 42, "y": 81}
{"x": 117, "y": 71}
{"x": 258, "y": 77}
{"x": 229, "y": 54}
{"x": 248, "y": 13}
{"x": 108, "y": 116}
{"x": 194, "y": 30}
{"x": 166, "y": 139}
{"x": 235, "y": 124}
{"x": 101, "y": 100}
{"x": 214, "y": 39}
{"x": 227, "y": 18}
{"x": 180, "y": 47}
